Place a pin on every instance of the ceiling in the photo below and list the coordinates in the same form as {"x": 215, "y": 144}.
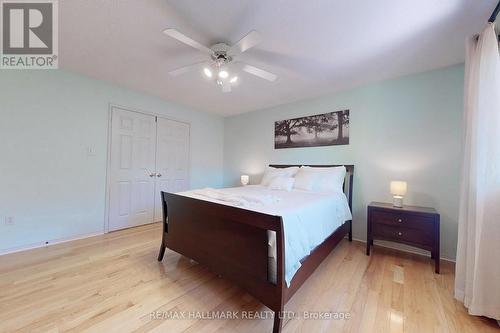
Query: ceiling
{"x": 314, "y": 47}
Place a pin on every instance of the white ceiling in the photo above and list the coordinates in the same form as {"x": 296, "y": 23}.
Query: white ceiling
{"x": 314, "y": 46}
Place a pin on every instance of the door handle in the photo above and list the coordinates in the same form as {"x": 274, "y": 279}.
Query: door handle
{"x": 151, "y": 174}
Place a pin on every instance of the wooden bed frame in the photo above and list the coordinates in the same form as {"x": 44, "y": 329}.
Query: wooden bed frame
{"x": 233, "y": 242}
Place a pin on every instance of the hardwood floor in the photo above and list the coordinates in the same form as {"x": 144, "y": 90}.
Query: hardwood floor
{"x": 113, "y": 283}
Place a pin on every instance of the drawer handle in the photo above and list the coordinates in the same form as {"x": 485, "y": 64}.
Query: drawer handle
{"x": 400, "y": 233}
{"x": 400, "y": 220}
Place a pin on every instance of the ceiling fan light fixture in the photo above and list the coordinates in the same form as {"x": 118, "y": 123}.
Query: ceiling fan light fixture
{"x": 220, "y": 56}
{"x": 207, "y": 72}
{"x": 223, "y": 74}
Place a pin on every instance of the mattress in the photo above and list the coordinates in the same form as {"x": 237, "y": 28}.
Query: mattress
{"x": 308, "y": 218}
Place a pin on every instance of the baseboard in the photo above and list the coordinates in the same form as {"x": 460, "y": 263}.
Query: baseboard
{"x": 48, "y": 243}
{"x": 58, "y": 241}
{"x": 407, "y": 249}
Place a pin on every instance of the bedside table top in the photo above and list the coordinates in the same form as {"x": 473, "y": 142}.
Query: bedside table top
{"x": 405, "y": 208}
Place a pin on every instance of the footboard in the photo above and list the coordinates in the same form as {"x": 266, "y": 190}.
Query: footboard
{"x": 228, "y": 240}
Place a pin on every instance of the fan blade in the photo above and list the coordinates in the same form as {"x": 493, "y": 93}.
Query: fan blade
{"x": 247, "y": 42}
{"x": 226, "y": 87}
{"x": 259, "y": 72}
{"x": 185, "y": 69}
{"x": 186, "y": 40}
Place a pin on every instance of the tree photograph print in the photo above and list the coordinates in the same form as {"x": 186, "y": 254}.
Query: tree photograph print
{"x": 326, "y": 129}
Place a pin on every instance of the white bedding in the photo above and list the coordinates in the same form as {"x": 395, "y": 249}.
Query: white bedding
{"x": 308, "y": 217}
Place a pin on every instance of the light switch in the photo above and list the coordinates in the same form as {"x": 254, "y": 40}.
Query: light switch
{"x": 9, "y": 220}
{"x": 91, "y": 151}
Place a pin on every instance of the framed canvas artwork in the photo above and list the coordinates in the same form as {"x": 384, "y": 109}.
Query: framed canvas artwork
{"x": 327, "y": 129}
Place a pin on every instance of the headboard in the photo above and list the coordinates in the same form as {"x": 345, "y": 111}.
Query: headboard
{"x": 348, "y": 181}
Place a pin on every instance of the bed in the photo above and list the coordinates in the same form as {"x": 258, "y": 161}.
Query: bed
{"x": 259, "y": 245}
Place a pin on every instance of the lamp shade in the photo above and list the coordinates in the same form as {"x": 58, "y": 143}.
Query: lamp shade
{"x": 244, "y": 179}
{"x": 398, "y": 187}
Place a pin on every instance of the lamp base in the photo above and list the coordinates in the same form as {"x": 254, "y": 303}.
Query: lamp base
{"x": 398, "y": 201}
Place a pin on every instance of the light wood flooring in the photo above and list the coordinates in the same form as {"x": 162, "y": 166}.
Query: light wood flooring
{"x": 113, "y": 283}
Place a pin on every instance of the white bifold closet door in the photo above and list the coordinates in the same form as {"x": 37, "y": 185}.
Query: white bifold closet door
{"x": 148, "y": 154}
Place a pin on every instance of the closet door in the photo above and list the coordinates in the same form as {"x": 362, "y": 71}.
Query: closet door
{"x": 132, "y": 165}
{"x": 172, "y": 160}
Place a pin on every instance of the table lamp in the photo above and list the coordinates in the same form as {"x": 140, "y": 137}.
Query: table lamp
{"x": 398, "y": 190}
{"x": 244, "y": 179}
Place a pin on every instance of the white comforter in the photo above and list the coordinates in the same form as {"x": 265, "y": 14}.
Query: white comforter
{"x": 236, "y": 199}
{"x": 308, "y": 218}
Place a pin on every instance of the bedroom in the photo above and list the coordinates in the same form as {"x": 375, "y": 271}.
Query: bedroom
{"x": 385, "y": 115}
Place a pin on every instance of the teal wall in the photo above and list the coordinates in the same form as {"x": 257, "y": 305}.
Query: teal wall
{"x": 48, "y": 183}
{"x": 408, "y": 128}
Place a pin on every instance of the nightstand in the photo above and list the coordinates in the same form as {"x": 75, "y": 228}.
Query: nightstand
{"x": 411, "y": 225}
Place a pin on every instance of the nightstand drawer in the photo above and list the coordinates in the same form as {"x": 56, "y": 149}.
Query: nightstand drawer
{"x": 402, "y": 234}
{"x": 403, "y": 220}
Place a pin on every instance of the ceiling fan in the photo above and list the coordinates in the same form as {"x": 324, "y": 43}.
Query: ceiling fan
{"x": 220, "y": 56}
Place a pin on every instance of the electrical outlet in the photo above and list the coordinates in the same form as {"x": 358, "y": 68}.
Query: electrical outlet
{"x": 9, "y": 220}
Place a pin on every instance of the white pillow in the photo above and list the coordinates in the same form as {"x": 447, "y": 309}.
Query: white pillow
{"x": 321, "y": 179}
{"x": 290, "y": 171}
{"x": 306, "y": 180}
{"x": 331, "y": 179}
{"x": 282, "y": 183}
{"x": 277, "y": 172}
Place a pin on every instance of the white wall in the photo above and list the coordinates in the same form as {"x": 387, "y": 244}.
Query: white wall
{"x": 47, "y": 182}
{"x": 409, "y": 128}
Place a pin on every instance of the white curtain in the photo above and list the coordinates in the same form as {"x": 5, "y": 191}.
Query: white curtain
{"x": 477, "y": 276}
